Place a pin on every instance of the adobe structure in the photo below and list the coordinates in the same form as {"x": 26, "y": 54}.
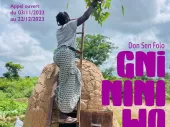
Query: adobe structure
{"x": 39, "y": 103}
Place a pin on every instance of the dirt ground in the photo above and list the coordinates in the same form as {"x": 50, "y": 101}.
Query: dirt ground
{"x": 118, "y": 111}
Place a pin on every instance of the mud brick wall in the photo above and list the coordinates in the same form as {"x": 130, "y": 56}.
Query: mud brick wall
{"x": 38, "y": 107}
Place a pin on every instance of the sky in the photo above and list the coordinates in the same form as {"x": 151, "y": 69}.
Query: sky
{"x": 31, "y": 44}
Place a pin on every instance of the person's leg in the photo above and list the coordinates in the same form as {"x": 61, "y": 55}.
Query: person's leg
{"x": 64, "y": 90}
{"x": 66, "y": 118}
{"x": 59, "y": 60}
{"x": 63, "y": 115}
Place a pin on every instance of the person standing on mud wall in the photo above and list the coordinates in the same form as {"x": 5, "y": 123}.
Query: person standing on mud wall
{"x": 68, "y": 90}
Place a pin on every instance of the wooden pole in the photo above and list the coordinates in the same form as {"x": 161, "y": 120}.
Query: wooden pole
{"x": 81, "y": 62}
{"x": 82, "y": 47}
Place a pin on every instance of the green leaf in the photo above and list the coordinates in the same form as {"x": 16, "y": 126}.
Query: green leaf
{"x": 107, "y": 5}
{"x": 67, "y": 4}
{"x": 122, "y": 10}
{"x": 107, "y": 14}
{"x": 100, "y": 12}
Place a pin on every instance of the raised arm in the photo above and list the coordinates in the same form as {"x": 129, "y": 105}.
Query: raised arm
{"x": 87, "y": 14}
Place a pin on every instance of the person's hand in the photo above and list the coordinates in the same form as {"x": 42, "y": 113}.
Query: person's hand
{"x": 94, "y": 3}
{"x": 79, "y": 52}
